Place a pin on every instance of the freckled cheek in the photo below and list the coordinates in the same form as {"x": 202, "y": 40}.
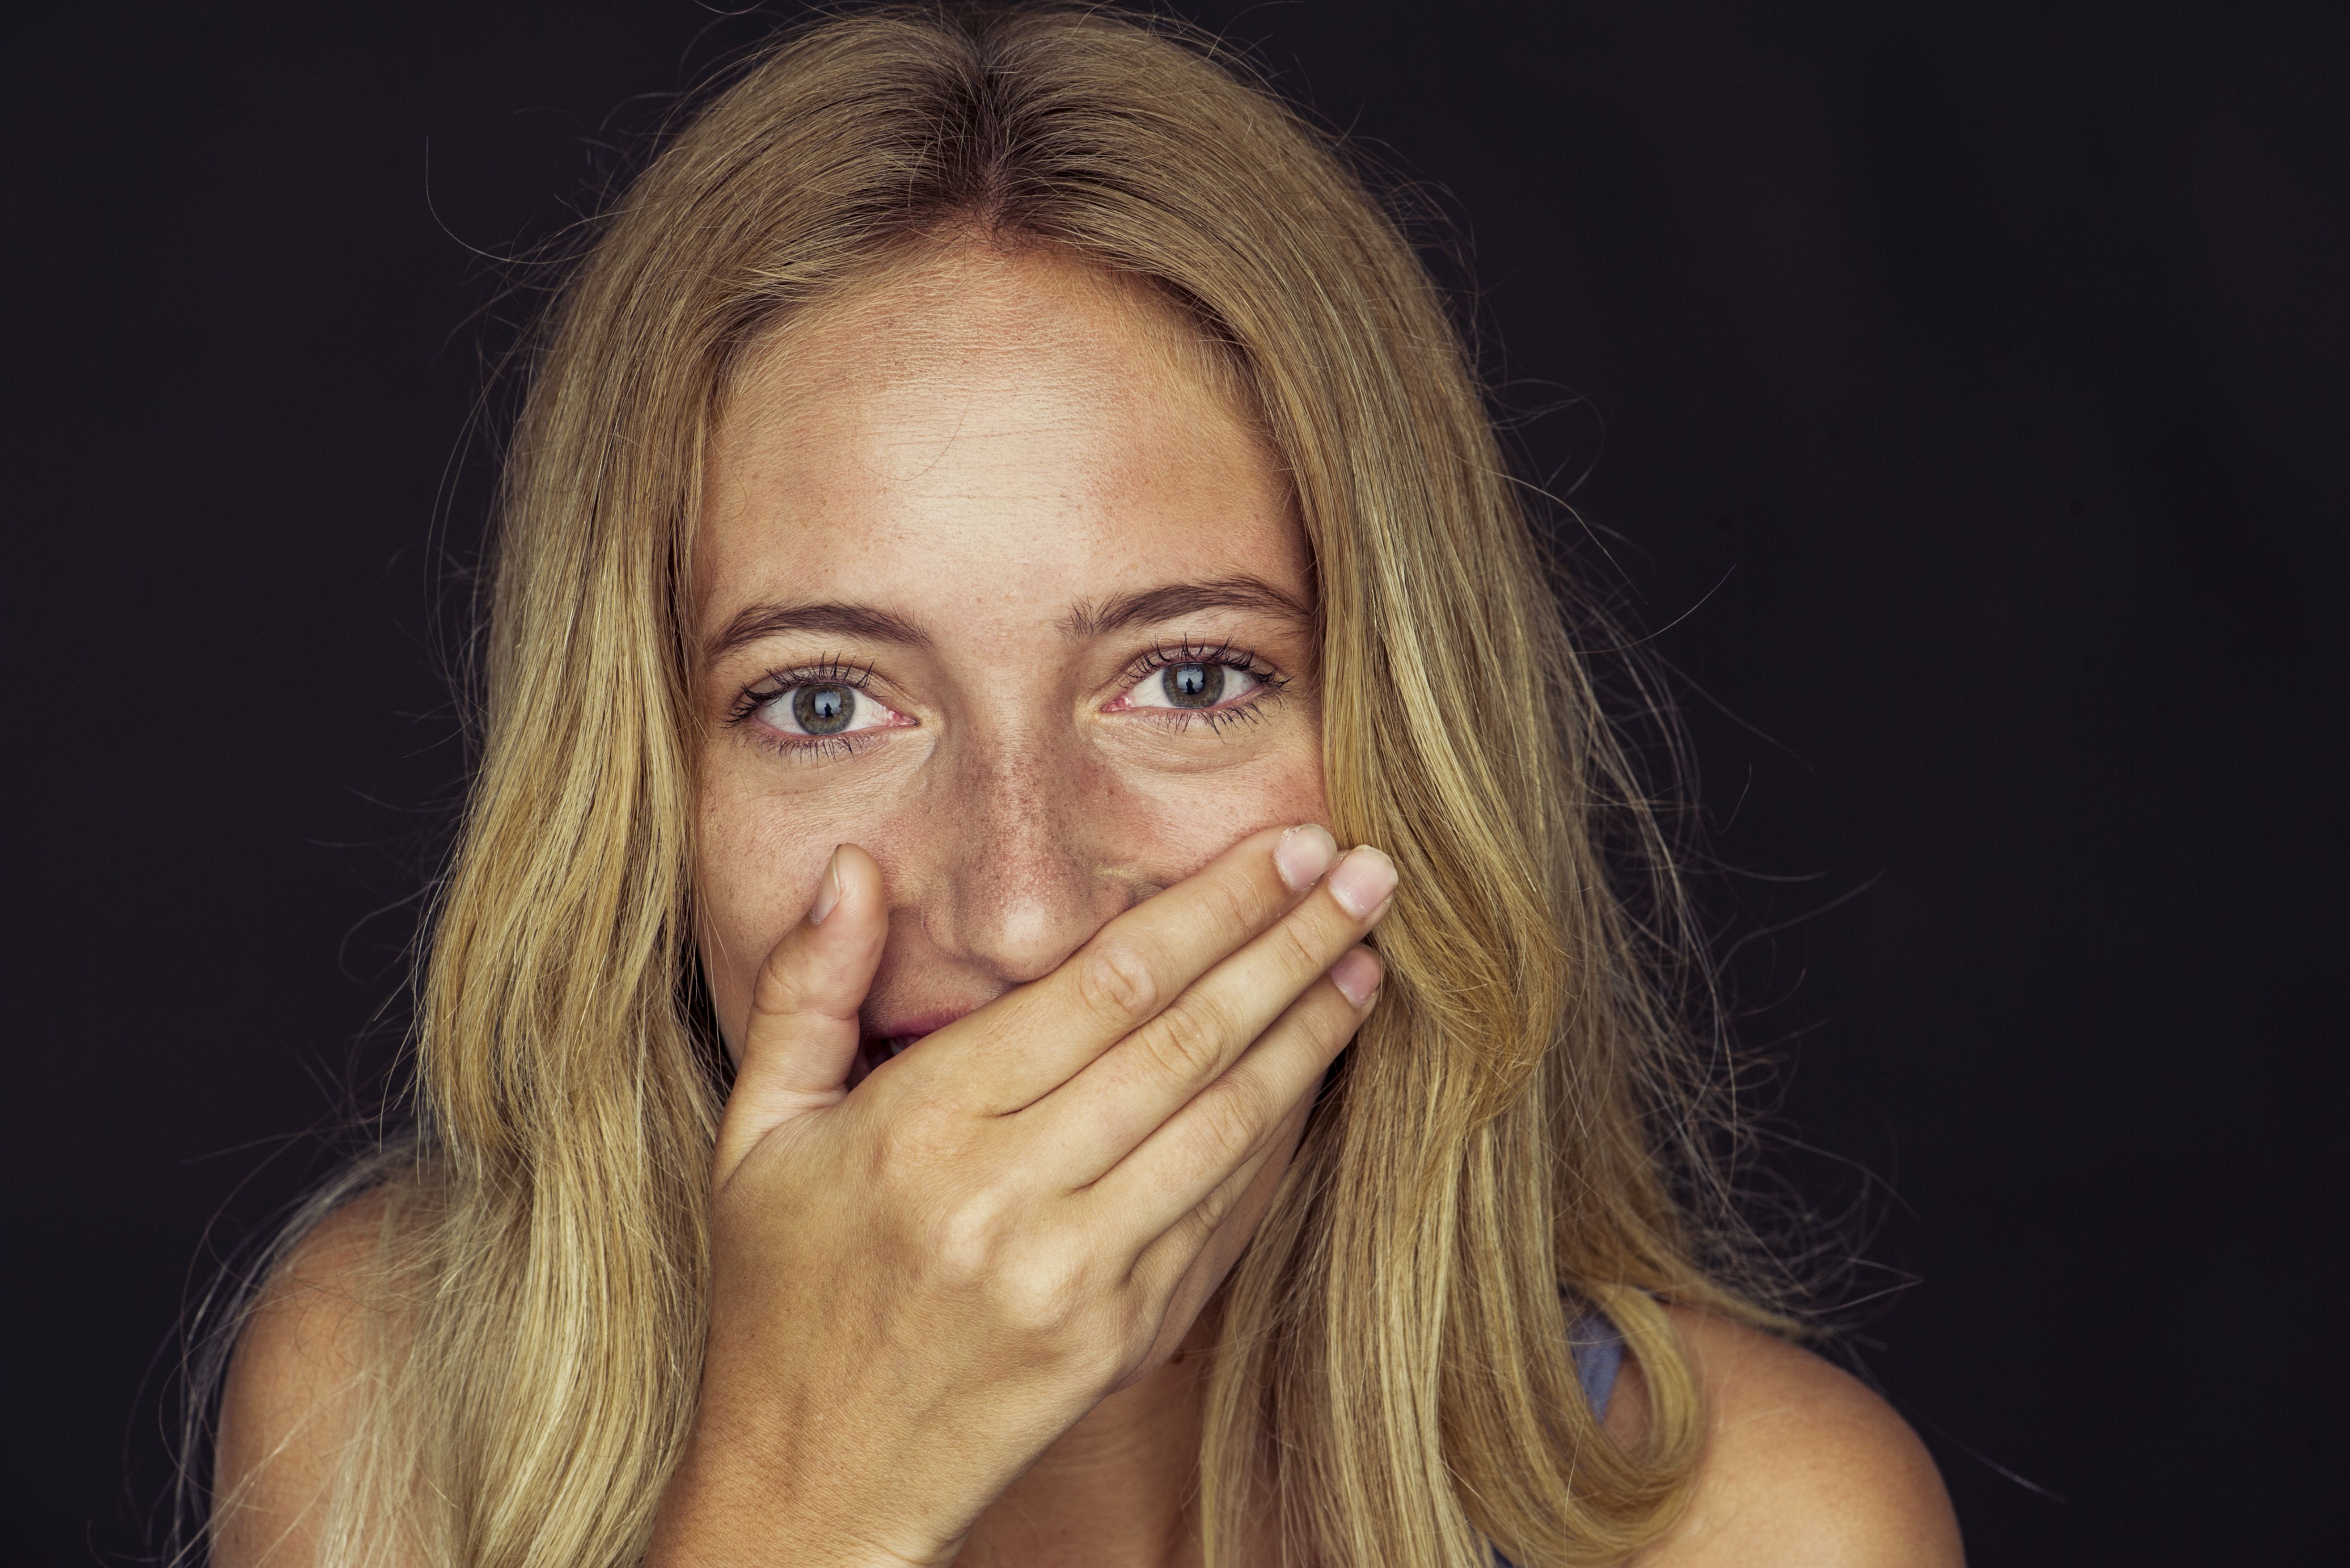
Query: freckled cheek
{"x": 1174, "y": 824}
{"x": 756, "y": 864}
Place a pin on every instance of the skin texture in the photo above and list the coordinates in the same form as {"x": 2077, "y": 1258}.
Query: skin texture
{"x": 1803, "y": 1466}
{"x": 999, "y": 1250}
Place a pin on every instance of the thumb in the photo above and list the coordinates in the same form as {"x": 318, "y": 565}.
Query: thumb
{"x": 802, "y": 1032}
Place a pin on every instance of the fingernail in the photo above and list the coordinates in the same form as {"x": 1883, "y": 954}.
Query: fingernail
{"x": 1363, "y": 881}
{"x": 827, "y": 891}
{"x": 1357, "y": 976}
{"x": 1302, "y": 855}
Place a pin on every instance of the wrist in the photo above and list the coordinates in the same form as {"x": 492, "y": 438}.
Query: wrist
{"x": 730, "y": 1505}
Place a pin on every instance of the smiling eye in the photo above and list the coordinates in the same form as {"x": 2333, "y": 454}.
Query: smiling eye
{"x": 1193, "y": 685}
{"x": 823, "y": 708}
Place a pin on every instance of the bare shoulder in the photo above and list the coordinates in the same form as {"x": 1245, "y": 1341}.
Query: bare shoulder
{"x": 290, "y": 1396}
{"x": 1802, "y": 1464}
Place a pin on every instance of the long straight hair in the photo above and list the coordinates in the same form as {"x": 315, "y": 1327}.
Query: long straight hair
{"x": 1519, "y": 1133}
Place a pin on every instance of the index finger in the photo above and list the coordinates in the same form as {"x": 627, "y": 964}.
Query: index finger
{"x": 1134, "y": 966}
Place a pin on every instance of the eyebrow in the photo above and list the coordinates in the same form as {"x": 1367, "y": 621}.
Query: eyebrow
{"x": 1085, "y": 620}
{"x": 757, "y": 621}
{"x": 1153, "y": 605}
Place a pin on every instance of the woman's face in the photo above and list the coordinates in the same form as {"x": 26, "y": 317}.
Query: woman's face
{"x": 994, "y": 580}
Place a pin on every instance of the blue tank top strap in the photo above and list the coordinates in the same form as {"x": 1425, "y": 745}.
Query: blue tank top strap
{"x": 1597, "y": 1347}
{"x": 1598, "y": 1350}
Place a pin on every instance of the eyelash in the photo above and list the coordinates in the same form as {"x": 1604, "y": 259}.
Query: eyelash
{"x": 835, "y": 672}
{"x": 1269, "y": 683}
{"x": 774, "y": 683}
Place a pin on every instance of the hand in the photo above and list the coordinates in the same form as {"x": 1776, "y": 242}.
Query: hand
{"x": 917, "y": 1287}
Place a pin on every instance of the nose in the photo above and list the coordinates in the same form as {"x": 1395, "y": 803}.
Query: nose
{"x": 1027, "y": 879}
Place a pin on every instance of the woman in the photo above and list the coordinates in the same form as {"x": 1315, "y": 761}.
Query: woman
{"x": 902, "y": 1073}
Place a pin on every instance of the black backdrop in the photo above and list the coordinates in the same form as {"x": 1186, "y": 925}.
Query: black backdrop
{"x": 1949, "y": 384}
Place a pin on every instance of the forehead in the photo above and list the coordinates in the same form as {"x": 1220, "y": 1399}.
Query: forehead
{"x": 986, "y": 427}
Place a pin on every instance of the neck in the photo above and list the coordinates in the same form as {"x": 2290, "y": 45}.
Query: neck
{"x": 1118, "y": 1489}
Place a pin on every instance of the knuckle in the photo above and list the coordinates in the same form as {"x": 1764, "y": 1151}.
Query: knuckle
{"x": 1295, "y": 944}
{"x": 1234, "y": 909}
{"x": 1187, "y": 1040}
{"x": 789, "y": 986}
{"x": 1116, "y": 983}
{"x": 970, "y": 1239}
{"x": 1041, "y": 1293}
{"x": 1231, "y": 1117}
{"x": 782, "y": 988}
{"x": 1221, "y": 1202}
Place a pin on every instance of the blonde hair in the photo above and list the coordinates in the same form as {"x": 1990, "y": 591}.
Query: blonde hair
{"x": 1517, "y": 1134}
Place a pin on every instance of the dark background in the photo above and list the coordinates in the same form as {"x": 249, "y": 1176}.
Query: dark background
{"x": 1955, "y": 390}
